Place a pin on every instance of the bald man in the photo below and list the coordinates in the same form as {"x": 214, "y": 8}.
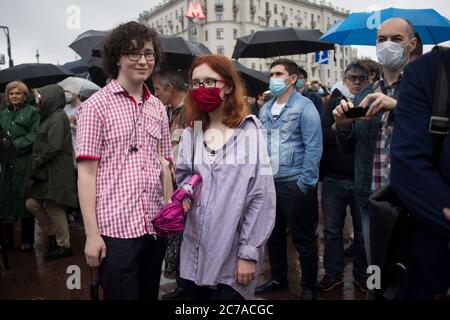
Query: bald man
{"x": 370, "y": 136}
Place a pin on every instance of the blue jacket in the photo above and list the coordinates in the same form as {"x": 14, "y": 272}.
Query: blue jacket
{"x": 424, "y": 189}
{"x": 294, "y": 141}
{"x": 362, "y": 141}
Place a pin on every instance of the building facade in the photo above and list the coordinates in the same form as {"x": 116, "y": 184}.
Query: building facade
{"x": 218, "y": 23}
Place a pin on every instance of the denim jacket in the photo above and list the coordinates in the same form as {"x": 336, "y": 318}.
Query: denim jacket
{"x": 294, "y": 141}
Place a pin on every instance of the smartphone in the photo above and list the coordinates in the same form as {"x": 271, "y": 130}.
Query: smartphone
{"x": 356, "y": 112}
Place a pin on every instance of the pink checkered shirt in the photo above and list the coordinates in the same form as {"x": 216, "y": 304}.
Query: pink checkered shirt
{"x": 128, "y": 187}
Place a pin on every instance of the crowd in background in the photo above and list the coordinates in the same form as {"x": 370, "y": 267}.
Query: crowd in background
{"x": 62, "y": 136}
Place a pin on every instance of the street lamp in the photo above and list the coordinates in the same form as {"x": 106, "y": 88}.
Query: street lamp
{"x": 6, "y": 30}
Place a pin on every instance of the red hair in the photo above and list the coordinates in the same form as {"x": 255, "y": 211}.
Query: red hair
{"x": 235, "y": 108}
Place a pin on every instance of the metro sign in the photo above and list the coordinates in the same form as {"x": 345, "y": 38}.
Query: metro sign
{"x": 195, "y": 11}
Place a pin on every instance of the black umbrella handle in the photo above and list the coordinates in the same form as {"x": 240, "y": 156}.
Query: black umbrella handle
{"x": 95, "y": 283}
{"x": 3, "y": 245}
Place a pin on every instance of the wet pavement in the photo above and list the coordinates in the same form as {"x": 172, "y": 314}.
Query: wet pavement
{"x": 32, "y": 278}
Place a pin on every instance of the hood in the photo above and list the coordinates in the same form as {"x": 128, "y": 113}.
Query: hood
{"x": 53, "y": 99}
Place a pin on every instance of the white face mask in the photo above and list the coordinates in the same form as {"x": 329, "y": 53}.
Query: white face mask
{"x": 69, "y": 97}
{"x": 390, "y": 55}
{"x": 346, "y": 92}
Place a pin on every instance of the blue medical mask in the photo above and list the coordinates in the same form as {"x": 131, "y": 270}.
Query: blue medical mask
{"x": 299, "y": 84}
{"x": 320, "y": 91}
{"x": 277, "y": 86}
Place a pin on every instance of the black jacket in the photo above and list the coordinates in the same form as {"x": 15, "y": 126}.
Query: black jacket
{"x": 335, "y": 163}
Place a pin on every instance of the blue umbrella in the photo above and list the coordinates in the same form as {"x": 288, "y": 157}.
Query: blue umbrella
{"x": 360, "y": 28}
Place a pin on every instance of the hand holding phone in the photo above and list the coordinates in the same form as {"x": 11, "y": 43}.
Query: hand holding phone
{"x": 356, "y": 112}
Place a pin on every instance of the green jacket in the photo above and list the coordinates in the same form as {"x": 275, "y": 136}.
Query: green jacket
{"x": 52, "y": 175}
{"x": 22, "y": 126}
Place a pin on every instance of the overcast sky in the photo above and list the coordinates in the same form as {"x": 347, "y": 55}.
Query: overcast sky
{"x": 43, "y": 24}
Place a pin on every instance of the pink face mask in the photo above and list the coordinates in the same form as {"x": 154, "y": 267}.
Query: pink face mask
{"x": 207, "y": 100}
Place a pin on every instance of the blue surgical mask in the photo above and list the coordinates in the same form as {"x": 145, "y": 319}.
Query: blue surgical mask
{"x": 320, "y": 91}
{"x": 299, "y": 84}
{"x": 277, "y": 86}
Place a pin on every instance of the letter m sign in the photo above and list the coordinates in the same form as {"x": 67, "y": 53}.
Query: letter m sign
{"x": 195, "y": 11}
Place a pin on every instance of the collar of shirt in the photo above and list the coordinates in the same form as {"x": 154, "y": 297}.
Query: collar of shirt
{"x": 390, "y": 88}
{"x": 117, "y": 88}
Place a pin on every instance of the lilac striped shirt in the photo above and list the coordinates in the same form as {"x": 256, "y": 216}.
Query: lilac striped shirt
{"x": 234, "y": 213}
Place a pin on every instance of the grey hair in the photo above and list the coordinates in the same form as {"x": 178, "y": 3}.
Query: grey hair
{"x": 173, "y": 77}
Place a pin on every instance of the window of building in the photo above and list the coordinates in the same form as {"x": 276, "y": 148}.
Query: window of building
{"x": 219, "y": 16}
{"x": 283, "y": 9}
{"x": 260, "y": 67}
{"x": 275, "y": 9}
{"x": 313, "y": 73}
{"x": 206, "y": 35}
{"x": 259, "y": 4}
{"x": 292, "y": 25}
{"x": 176, "y": 14}
{"x": 235, "y": 34}
{"x": 329, "y": 74}
{"x": 177, "y": 28}
{"x": 219, "y": 2}
{"x": 220, "y": 50}
{"x": 253, "y": 66}
{"x": 219, "y": 33}
{"x": 276, "y": 23}
{"x": 291, "y": 11}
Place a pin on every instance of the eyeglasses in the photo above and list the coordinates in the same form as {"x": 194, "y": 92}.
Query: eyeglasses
{"x": 353, "y": 78}
{"x": 208, "y": 83}
{"x": 136, "y": 56}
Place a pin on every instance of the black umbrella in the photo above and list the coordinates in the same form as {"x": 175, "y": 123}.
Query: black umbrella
{"x": 77, "y": 66}
{"x": 177, "y": 51}
{"x": 94, "y": 286}
{"x": 273, "y": 42}
{"x": 34, "y": 75}
{"x": 95, "y": 70}
{"x": 87, "y": 41}
{"x": 255, "y": 82}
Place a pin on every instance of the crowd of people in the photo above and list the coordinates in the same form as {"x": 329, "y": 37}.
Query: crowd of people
{"x": 260, "y": 160}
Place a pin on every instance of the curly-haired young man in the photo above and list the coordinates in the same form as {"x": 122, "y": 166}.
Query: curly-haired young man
{"x": 120, "y": 129}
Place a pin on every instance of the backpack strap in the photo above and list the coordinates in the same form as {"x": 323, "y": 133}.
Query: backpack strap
{"x": 440, "y": 118}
